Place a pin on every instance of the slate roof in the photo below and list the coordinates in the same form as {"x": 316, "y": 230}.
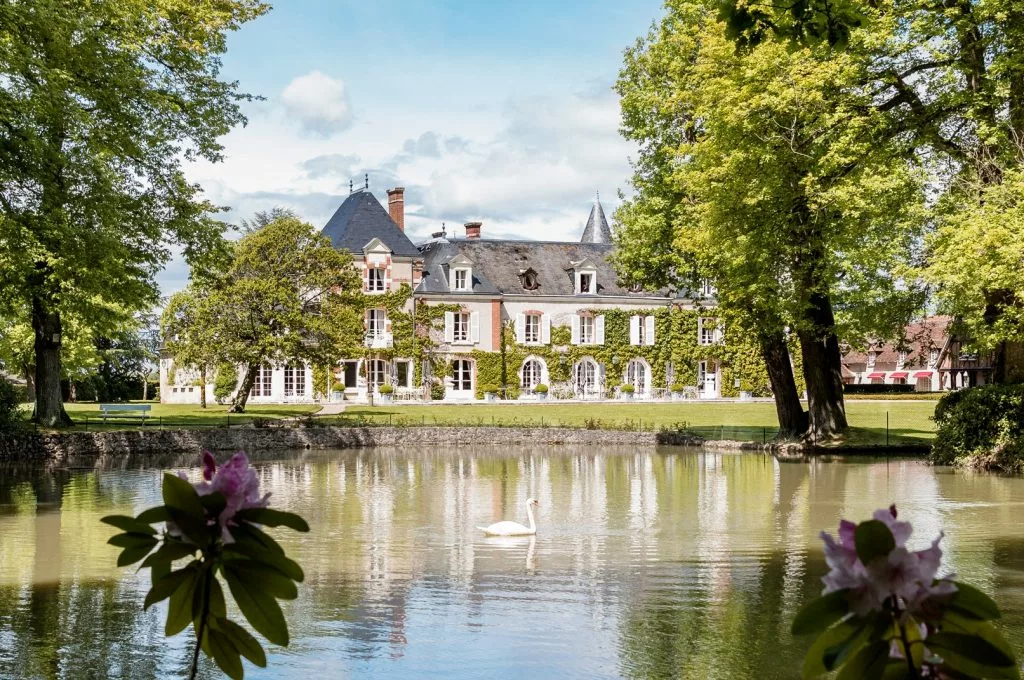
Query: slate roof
{"x": 359, "y": 220}
{"x": 498, "y": 263}
{"x": 597, "y": 229}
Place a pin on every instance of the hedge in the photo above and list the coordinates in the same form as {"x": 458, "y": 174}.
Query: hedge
{"x": 981, "y": 427}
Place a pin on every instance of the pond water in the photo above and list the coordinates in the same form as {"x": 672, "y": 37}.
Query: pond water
{"x": 668, "y": 563}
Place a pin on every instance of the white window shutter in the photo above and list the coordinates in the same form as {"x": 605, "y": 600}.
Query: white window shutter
{"x": 521, "y": 328}
{"x": 386, "y": 272}
{"x": 599, "y": 329}
{"x": 634, "y": 330}
{"x": 366, "y": 276}
{"x": 545, "y": 329}
{"x": 575, "y": 329}
{"x": 449, "y": 327}
{"x": 474, "y": 319}
{"x": 650, "y": 329}
{"x": 720, "y": 332}
{"x": 700, "y": 329}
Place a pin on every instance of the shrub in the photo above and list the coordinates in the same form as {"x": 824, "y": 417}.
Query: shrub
{"x": 877, "y": 389}
{"x": 627, "y": 389}
{"x": 224, "y": 385}
{"x": 981, "y": 427}
{"x": 337, "y": 387}
{"x": 11, "y": 415}
{"x": 386, "y": 389}
{"x": 489, "y": 388}
{"x": 437, "y": 391}
{"x": 678, "y": 387}
{"x": 541, "y": 389}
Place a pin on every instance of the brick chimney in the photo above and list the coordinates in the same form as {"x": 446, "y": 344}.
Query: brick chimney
{"x": 473, "y": 229}
{"x": 396, "y": 206}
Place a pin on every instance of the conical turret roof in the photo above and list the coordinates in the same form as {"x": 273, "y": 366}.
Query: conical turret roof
{"x": 597, "y": 229}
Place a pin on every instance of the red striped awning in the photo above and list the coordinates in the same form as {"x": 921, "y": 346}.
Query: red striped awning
{"x": 898, "y": 374}
{"x": 876, "y": 374}
{"x": 923, "y": 374}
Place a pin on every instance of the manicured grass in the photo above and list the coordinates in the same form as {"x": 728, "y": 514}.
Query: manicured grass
{"x": 184, "y": 415}
{"x": 909, "y": 420}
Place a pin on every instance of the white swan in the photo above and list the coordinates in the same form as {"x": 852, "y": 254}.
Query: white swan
{"x": 508, "y": 528}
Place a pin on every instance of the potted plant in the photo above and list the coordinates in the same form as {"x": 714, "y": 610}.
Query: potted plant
{"x": 385, "y": 391}
{"x": 678, "y": 390}
{"x": 490, "y": 392}
{"x": 338, "y": 391}
{"x": 437, "y": 391}
{"x": 626, "y": 391}
{"x": 541, "y": 391}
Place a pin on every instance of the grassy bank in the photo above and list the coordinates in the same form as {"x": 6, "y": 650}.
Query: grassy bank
{"x": 909, "y": 421}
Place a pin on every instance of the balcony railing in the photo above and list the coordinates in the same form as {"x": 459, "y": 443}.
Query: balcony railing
{"x": 379, "y": 340}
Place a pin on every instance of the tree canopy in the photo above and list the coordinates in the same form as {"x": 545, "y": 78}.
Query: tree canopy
{"x": 287, "y": 295}
{"x": 100, "y": 104}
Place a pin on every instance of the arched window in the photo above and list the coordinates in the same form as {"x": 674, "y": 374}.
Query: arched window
{"x": 531, "y": 374}
{"x": 584, "y": 377}
{"x": 637, "y": 375}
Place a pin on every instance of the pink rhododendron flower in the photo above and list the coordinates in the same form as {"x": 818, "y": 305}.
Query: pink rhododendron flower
{"x": 908, "y": 577}
{"x": 239, "y": 484}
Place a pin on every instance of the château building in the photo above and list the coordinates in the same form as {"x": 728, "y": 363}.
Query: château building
{"x": 510, "y": 314}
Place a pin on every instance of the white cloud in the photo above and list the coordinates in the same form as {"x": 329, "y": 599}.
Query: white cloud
{"x": 318, "y": 103}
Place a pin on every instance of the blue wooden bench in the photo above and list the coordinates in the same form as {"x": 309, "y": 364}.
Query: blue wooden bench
{"x": 140, "y": 411}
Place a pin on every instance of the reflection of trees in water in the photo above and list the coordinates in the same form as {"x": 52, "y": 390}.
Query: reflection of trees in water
{"x": 700, "y": 559}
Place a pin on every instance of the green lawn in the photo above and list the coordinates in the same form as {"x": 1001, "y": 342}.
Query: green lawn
{"x": 87, "y": 415}
{"x": 909, "y": 421}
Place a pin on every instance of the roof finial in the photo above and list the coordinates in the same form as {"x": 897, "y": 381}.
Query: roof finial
{"x": 597, "y": 196}
{"x": 366, "y": 180}
{"x": 350, "y": 186}
{"x": 444, "y": 229}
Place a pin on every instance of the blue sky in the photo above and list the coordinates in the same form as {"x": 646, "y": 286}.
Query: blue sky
{"x": 490, "y": 111}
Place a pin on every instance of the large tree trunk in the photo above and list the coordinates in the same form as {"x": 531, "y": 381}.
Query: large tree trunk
{"x": 242, "y": 396}
{"x": 202, "y": 387}
{"x": 30, "y": 382}
{"x": 46, "y": 325}
{"x": 791, "y": 414}
{"x": 823, "y": 370}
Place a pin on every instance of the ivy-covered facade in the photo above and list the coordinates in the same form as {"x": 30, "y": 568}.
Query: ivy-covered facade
{"x": 457, "y": 317}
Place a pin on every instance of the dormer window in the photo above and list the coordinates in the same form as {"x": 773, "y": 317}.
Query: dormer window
{"x": 901, "y": 360}
{"x": 460, "y": 274}
{"x": 708, "y": 288}
{"x": 586, "y": 283}
{"x": 528, "y": 278}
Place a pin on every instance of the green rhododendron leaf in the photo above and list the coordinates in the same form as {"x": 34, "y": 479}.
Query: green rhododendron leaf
{"x": 814, "y": 661}
{"x": 179, "y": 609}
{"x": 170, "y": 550}
{"x": 284, "y": 565}
{"x": 819, "y": 614}
{"x": 261, "y": 578}
{"x": 166, "y": 586}
{"x": 972, "y": 602}
{"x": 218, "y": 606}
{"x": 180, "y": 495}
{"x": 260, "y": 610}
{"x": 214, "y": 503}
{"x": 154, "y": 515}
{"x": 872, "y": 540}
{"x": 132, "y": 555}
{"x": 952, "y": 622}
{"x": 147, "y": 541}
{"x": 972, "y": 647}
{"x": 272, "y": 518}
{"x": 251, "y": 535}
{"x": 244, "y": 642}
{"x": 223, "y": 651}
{"x": 868, "y": 662}
{"x": 128, "y": 524}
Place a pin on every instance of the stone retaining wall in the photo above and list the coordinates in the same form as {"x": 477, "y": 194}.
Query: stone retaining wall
{"x": 66, "y": 446}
